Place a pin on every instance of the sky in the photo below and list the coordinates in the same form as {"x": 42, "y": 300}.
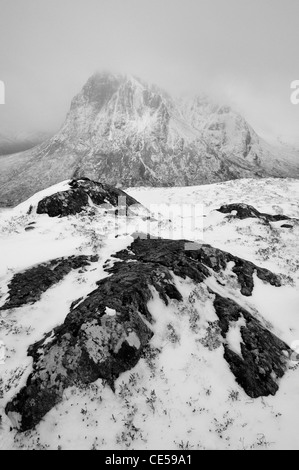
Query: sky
{"x": 243, "y": 52}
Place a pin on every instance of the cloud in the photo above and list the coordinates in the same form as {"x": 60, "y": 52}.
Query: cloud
{"x": 239, "y": 50}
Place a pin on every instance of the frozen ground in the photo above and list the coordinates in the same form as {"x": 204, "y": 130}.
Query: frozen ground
{"x": 182, "y": 394}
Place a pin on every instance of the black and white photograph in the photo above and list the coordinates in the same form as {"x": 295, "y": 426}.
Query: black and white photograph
{"x": 149, "y": 227}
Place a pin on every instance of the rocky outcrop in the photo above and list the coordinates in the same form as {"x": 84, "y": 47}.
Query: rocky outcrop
{"x": 106, "y": 333}
{"x": 10, "y": 144}
{"x": 263, "y": 357}
{"x": 27, "y": 287}
{"x": 245, "y": 211}
{"x": 78, "y": 197}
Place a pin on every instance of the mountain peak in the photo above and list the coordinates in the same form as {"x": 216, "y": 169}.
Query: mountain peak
{"x": 129, "y": 133}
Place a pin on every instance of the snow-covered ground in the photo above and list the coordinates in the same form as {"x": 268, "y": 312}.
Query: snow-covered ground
{"x": 268, "y": 245}
{"x": 184, "y": 396}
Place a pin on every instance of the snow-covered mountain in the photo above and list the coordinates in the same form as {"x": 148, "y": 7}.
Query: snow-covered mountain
{"x": 117, "y": 334}
{"x": 122, "y": 131}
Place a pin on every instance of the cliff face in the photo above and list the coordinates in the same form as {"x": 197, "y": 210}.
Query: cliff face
{"x": 124, "y": 132}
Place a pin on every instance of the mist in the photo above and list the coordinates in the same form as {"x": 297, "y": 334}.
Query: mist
{"x": 243, "y": 53}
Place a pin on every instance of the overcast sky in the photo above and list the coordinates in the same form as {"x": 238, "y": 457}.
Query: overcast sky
{"x": 244, "y": 51}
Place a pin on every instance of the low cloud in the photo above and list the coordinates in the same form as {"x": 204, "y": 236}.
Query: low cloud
{"x": 242, "y": 52}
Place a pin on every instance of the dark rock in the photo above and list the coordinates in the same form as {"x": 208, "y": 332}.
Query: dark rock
{"x": 244, "y": 211}
{"x": 263, "y": 356}
{"x": 27, "y": 287}
{"x": 194, "y": 262}
{"x": 63, "y": 203}
{"x": 286, "y": 226}
{"x": 76, "y": 199}
{"x": 92, "y": 344}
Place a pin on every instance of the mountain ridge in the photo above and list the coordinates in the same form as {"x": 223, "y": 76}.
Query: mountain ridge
{"x": 20, "y": 142}
{"x": 125, "y": 132}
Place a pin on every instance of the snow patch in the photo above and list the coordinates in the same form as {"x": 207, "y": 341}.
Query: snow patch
{"x": 110, "y": 311}
{"x": 234, "y": 338}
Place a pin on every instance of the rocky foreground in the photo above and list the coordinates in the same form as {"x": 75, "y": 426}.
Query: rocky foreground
{"x": 124, "y": 131}
{"x": 112, "y": 328}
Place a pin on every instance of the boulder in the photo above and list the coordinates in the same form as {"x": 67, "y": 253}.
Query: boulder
{"x": 78, "y": 197}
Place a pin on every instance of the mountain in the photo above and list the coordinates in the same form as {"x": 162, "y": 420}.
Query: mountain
{"x": 116, "y": 335}
{"x": 122, "y": 131}
{"x": 10, "y": 144}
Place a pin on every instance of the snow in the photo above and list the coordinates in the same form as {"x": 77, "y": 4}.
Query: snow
{"x": 234, "y": 338}
{"x": 186, "y": 399}
{"x": 265, "y": 245}
{"x": 181, "y": 394}
{"x": 280, "y": 307}
{"x": 34, "y": 200}
{"x": 261, "y": 193}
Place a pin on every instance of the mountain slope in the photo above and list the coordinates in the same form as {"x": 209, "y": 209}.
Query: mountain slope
{"x": 125, "y": 132}
{"x": 10, "y": 144}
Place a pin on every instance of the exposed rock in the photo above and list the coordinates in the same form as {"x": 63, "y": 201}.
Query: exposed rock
{"x": 194, "y": 262}
{"x": 27, "y": 287}
{"x": 263, "y": 356}
{"x": 244, "y": 211}
{"x": 92, "y": 344}
{"x": 77, "y": 198}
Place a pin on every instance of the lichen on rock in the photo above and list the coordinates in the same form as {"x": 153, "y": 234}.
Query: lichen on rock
{"x": 26, "y": 287}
